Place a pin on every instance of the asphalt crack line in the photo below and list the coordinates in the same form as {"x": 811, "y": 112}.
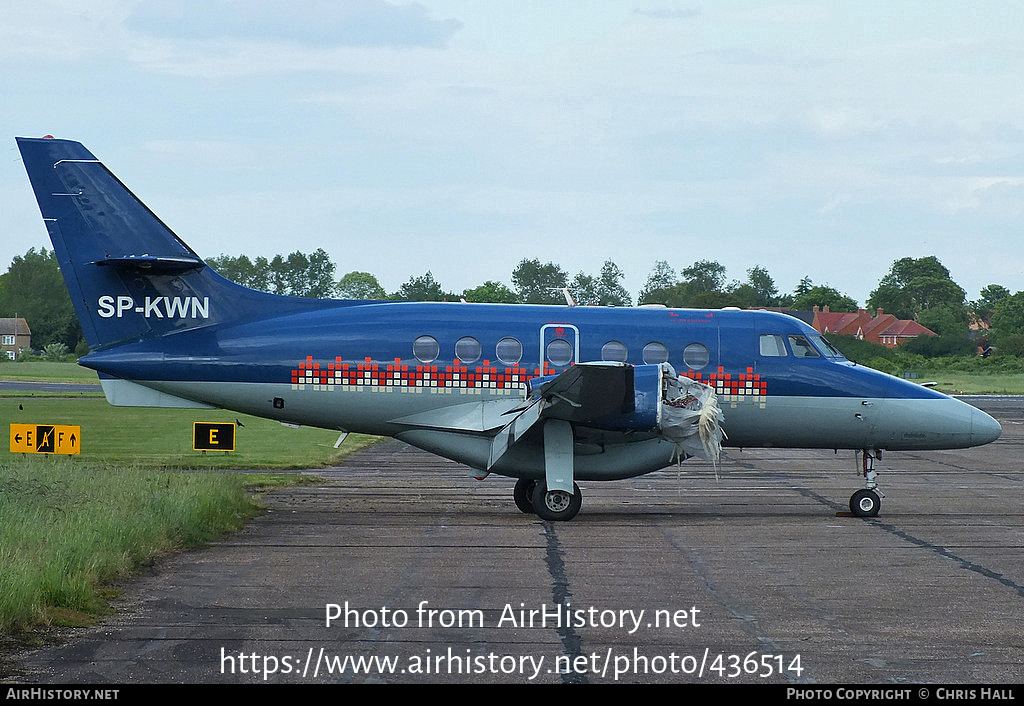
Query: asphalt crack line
{"x": 561, "y": 594}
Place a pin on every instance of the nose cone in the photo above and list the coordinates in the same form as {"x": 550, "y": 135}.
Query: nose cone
{"x": 984, "y": 429}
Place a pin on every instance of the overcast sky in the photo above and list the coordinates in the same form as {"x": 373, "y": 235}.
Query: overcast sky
{"x": 820, "y": 139}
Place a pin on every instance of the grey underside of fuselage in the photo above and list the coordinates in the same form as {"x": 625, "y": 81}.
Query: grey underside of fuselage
{"x": 466, "y": 421}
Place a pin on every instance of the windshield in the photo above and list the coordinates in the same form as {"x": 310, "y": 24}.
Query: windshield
{"x": 826, "y": 348}
{"x": 801, "y": 348}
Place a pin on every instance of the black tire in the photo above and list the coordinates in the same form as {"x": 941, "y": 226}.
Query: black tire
{"x": 865, "y": 503}
{"x": 557, "y": 505}
{"x": 523, "y": 495}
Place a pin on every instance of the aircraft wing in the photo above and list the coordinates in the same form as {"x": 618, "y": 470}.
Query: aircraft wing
{"x": 591, "y": 394}
{"x": 612, "y": 397}
{"x": 587, "y": 393}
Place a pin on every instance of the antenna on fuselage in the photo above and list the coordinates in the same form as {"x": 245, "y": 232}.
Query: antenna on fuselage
{"x": 565, "y": 293}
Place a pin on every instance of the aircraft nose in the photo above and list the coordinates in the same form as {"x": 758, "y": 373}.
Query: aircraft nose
{"x": 984, "y": 429}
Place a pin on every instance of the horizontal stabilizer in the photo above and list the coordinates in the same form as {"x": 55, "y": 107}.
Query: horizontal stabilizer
{"x": 153, "y": 264}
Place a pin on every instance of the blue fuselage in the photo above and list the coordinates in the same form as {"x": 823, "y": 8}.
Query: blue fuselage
{"x": 366, "y": 366}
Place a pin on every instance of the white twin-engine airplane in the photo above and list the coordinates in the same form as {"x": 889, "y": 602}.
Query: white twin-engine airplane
{"x": 545, "y": 394}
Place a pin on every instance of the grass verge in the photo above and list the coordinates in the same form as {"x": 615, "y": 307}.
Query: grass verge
{"x": 46, "y": 371}
{"x": 162, "y": 438}
{"x": 72, "y": 526}
{"x": 960, "y": 383}
{"x": 69, "y": 529}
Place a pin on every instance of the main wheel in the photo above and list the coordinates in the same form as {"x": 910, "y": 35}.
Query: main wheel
{"x": 523, "y": 495}
{"x": 556, "y": 505}
{"x": 865, "y": 503}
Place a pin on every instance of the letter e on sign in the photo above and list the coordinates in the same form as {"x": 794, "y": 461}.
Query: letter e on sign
{"x": 213, "y": 436}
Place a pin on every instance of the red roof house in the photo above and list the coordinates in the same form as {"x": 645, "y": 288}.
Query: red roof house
{"x": 882, "y": 328}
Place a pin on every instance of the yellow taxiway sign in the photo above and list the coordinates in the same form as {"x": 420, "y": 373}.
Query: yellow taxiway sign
{"x": 46, "y": 439}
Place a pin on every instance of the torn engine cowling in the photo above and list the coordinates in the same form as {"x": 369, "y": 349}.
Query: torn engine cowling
{"x": 690, "y": 416}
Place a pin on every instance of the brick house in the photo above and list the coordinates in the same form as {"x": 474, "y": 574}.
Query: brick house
{"x": 14, "y": 336}
{"x": 882, "y": 328}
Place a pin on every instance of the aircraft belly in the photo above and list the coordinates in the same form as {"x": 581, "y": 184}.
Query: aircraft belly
{"x": 526, "y": 459}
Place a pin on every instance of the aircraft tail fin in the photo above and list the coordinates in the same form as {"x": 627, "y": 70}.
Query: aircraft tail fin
{"x": 128, "y": 274}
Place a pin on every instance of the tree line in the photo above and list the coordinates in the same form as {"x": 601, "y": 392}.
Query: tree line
{"x": 914, "y": 288}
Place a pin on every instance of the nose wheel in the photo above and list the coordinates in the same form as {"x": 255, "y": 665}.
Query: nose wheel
{"x": 867, "y": 501}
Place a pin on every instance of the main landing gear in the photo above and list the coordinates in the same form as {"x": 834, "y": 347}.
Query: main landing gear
{"x": 533, "y": 497}
{"x": 867, "y": 501}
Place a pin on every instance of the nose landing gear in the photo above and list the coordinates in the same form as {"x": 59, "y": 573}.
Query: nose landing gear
{"x": 867, "y": 501}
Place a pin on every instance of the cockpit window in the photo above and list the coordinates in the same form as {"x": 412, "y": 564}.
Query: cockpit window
{"x": 826, "y": 348}
{"x": 772, "y": 345}
{"x": 802, "y": 348}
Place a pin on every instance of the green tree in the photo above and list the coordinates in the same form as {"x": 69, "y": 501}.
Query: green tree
{"x": 239, "y": 270}
{"x": 605, "y": 289}
{"x": 821, "y": 296}
{"x": 758, "y": 290}
{"x": 986, "y": 303}
{"x": 702, "y": 286}
{"x": 277, "y": 276}
{"x": 763, "y": 286}
{"x": 537, "y": 283}
{"x": 298, "y": 275}
{"x": 319, "y": 275}
{"x": 1008, "y": 318}
{"x": 704, "y": 276}
{"x": 945, "y": 320}
{"x": 33, "y": 289}
{"x": 661, "y": 278}
{"x": 913, "y": 285}
{"x": 804, "y": 287}
{"x": 56, "y": 351}
{"x": 745, "y": 295}
{"x": 584, "y": 289}
{"x": 424, "y": 289}
{"x": 360, "y": 285}
{"x": 939, "y": 346}
{"x": 609, "y": 286}
{"x": 491, "y": 292}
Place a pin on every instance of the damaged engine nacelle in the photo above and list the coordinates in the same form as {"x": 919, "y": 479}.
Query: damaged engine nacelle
{"x": 641, "y": 398}
{"x": 690, "y": 417}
